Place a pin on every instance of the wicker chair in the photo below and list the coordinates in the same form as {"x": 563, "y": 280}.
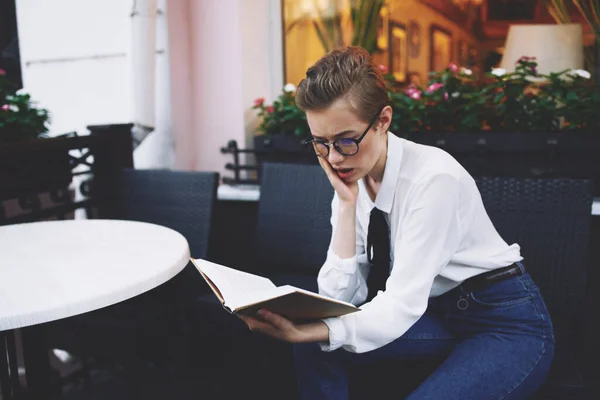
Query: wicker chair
{"x": 150, "y": 328}
{"x": 292, "y": 235}
{"x": 551, "y": 219}
{"x": 294, "y": 229}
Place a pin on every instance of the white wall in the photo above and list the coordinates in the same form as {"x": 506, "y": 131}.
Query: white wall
{"x": 73, "y": 56}
{"x": 75, "y": 62}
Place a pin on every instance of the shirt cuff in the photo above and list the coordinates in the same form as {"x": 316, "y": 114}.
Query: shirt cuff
{"x": 342, "y": 264}
{"x": 337, "y": 334}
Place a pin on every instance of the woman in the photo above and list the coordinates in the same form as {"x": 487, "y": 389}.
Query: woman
{"x": 455, "y": 288}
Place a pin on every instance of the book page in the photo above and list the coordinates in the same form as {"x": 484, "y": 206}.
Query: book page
{"x": 295, "y": 304}
{"x": 259, "y": 296}
{"x": 233, "y": 285}
{"x": 254, "y": 297}
{"x": 319, "y": 296}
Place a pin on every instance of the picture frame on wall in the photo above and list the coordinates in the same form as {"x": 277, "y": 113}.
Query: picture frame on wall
{"x": 414, "y": 39}
{"x": 440, "y": 51}
{"x": 473, "y": 56}
{"x": 415, "y": 79}
{"x": 463, "y": 53}
{"x": 398, "y": 51}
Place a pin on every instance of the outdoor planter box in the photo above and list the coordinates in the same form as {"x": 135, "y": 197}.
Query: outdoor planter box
{"x": 551, "y": 155}
{"x": 566, "y": 154}
{"x": 282, "y": 149}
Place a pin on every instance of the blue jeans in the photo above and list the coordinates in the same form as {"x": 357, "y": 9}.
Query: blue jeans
{"x": 499, "y": 347}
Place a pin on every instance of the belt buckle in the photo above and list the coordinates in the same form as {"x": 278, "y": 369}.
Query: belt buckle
{"x": 462, "y": 304}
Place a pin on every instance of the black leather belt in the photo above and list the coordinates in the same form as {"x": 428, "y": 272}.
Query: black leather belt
{"x": 481, "y": 281}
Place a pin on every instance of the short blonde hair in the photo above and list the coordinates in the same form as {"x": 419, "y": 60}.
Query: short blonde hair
{"x": 344, "y": 72}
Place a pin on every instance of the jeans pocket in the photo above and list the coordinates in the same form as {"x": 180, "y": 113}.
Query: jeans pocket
{"x": 506, "y": 293}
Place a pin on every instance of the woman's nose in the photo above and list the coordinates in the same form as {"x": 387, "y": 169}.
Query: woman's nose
{"x": 334, "y": 156}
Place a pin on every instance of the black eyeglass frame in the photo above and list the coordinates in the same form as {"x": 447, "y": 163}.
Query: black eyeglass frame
{"x": 356, "y": 141}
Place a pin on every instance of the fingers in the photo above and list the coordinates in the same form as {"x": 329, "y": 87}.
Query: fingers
{"x": 255, "y": 324}
{"x": 331, "y": 174}
{"x": 274, "y": 319}
{"x": 326, "y": 166}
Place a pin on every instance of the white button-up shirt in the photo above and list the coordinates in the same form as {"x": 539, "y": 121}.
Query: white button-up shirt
{"x": 440, "y": 235}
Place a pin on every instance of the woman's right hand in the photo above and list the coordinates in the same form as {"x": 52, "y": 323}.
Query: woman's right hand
{"x": 347, "y": 192}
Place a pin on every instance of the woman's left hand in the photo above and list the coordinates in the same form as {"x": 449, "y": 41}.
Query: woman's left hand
{"x": 281, "y": 328}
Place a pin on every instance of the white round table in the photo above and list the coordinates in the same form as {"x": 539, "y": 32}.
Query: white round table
{"x": 57, "y": 269}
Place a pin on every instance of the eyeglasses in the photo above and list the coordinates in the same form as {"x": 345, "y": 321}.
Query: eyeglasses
{"x": 345, "y": 146}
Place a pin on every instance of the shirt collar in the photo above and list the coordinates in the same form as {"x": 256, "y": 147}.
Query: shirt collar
{"x": 391, "y": 173}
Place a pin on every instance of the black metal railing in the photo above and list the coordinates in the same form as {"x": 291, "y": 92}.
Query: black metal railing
{"x": 52, "y": 178}
{"x": 237, "y": 167}
{"x": 270, "y": 150}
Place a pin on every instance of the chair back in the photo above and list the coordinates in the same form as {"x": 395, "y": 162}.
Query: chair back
{"x": 293, "y": 227}
{"x": 181, "y": 200}
{"x": 550, "y": 219}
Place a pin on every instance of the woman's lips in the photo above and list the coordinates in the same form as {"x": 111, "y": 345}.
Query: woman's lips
{"x": 345, "y": 173}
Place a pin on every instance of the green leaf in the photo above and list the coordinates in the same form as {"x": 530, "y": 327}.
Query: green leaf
{"x": 498, "y": 97}
{"x": 571, "y": 95}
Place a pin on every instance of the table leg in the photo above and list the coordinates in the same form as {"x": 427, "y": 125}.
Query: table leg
{"x": 5, "y": 383}
{"x": 9, "y": 371}
{"x": 40, "y": 378}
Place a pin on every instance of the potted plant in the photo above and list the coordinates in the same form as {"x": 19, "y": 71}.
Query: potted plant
{"x": 27, "y": 163}
{"x": 520, "y": 124}
{"x": 282, "y": 130}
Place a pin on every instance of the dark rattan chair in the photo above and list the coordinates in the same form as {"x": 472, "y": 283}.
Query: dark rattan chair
{"x": 550, "y": 219}
{"x": 150, "y": 328}
{"x": 293, "y": 230}
{"x": 290, "y": 245}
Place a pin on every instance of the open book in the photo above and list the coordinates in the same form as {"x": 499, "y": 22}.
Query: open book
{"x": 242, "y": 292}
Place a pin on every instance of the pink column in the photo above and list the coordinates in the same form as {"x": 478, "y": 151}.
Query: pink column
{"x": 205, "y": 51}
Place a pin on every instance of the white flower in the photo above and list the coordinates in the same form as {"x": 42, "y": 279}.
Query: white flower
{"x": 581, "y": 72}
{"x": 289, "y": 88}
{"x": 13, "y": 108}
{"x": 455, "y": 95}
{"x": 535, "y": 79}
{"x": 466, "y": 71}
{"x": 498, "y": 71}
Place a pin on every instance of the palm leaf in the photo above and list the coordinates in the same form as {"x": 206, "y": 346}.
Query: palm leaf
{"x": 558, "y": 11}
{"x": 590, "y": 11}
{"x": 322, "y": 37}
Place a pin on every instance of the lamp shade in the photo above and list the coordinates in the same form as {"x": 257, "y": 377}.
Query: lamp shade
{"x": 556, "y": 47}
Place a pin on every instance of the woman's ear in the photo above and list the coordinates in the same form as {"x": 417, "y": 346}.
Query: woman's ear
{"x": 385, "y": 118}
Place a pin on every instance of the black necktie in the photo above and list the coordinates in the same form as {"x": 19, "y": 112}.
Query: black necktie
{"x": 378, "y": 252}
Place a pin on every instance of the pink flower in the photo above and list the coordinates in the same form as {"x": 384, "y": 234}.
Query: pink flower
{"x": 270, "y": 109}
{"x": 525, "y": 58}
{"x": 446, "y": 96}
{"x": 2, "y": 72}
{"x": 434, "y": 86}
{"x": 453, "y": 67}
{"x": 5, "y": 107}
{"x": 383, "y": 68}
{"x": 413, "y": 93}
{"x": 259, "y": 102}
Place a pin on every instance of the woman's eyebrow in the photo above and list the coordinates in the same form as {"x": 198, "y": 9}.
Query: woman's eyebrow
{"x": 337, "y": 135}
